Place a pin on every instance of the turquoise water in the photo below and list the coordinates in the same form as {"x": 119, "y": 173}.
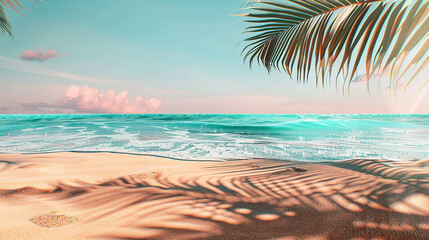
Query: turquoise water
{"x": 291, "y": 137}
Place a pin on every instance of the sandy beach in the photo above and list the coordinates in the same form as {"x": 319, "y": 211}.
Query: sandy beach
{"x": 125, "y": 196}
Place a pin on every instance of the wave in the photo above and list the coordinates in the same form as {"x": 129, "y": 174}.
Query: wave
{"x": 287, "y": 137}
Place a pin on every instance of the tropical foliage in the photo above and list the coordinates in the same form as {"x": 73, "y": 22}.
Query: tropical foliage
{"x": 335, "y": 36}
{"x": 4, "y": 22}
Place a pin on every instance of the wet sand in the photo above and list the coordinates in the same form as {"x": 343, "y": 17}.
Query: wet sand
{"x": 125, "y": 196}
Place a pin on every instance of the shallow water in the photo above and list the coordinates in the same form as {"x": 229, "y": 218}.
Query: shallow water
{"x": 290, "y": 137}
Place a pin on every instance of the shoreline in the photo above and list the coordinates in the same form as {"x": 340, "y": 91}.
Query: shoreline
{"x": 424, "y": 160}
{"x": 128, "y": 196}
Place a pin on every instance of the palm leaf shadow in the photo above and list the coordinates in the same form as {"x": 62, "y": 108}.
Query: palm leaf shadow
{"x": 341, "y": 200}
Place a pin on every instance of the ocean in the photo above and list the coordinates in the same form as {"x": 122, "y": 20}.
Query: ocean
{"x": 310, "y": 138}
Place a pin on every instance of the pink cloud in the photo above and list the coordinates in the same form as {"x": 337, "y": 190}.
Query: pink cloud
{"x": 84, "y": 99}
{"x": 360, "y": 78}
{"x": 377, "y": 76}
{"x": 401, "y": 86}
{"x": 39, "y": 55}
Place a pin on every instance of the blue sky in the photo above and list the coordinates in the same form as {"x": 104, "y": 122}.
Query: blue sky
{"x": 183, "y": 53}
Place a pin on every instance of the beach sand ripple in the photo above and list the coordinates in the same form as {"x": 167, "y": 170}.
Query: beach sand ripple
{"x": 124, "y": 196}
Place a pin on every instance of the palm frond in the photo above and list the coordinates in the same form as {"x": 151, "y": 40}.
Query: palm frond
{"x": 12, "y": 4}
{"x": 4, "y": 23}
{"x": 322, "y": 35}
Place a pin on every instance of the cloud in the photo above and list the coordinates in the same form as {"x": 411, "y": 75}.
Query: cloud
{"x": 377, "y": 76}
{"x": 20, "y": 66}
{"x": 83, "y": 99}
{"x": 39, "y": 55}
{"x": 360, "y": 78}
{"x": 400, "y": 86}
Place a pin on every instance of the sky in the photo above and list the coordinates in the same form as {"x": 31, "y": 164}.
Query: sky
{"x": 165, "y": 56}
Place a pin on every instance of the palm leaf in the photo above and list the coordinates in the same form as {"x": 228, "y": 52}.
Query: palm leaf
{"x": 4, "y": 23}
{"x": 335, "y": 36}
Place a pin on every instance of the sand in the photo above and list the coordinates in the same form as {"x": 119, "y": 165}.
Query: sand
{"x": 126, "y": 196}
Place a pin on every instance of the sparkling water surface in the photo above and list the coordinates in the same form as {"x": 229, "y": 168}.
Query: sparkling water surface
{"x": 213, "y": 137}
